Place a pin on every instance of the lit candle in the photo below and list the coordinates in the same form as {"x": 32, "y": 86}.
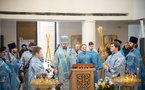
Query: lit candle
{"x": 113, "y": 76}
{"x": 35, "y": 76}
{"x": 132, "y": 77}
{"x": 137, "y": 72}
{"x": 127, "y": 79}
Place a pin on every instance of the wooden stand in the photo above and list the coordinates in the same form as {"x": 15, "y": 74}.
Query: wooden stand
{"x": 81, "y": 77}
{"x": 126, "y": 88}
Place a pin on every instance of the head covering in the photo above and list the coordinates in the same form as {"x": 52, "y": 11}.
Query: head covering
{"x": 12, "y": 45}
{"x": 64, "y": 39}
{"x": 133, "y": 39}
{"x": 2, "y": 49}
{"x": 118, "y": 41}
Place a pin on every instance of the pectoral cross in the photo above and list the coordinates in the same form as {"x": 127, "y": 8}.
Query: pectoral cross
{"x": 65, "y": 59}
{"x": 65, "y": 56}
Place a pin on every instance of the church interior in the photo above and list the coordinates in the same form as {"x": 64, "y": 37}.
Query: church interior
{"x": 44, "y": 22}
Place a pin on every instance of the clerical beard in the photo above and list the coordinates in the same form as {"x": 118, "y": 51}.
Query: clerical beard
{"x": 14, "y": 52}
{"x": 131, "y": 48}
{"x": 64, "y": 47}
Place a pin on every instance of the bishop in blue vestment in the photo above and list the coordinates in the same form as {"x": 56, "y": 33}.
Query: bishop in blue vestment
{"x": 62, "y": 61}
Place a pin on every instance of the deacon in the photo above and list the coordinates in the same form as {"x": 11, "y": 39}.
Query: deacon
{"x": 84, "y": 57}
{"x": 115, "y": 64}
{"x": 25, "y": 60}
{"x": 94, "y": 54}
{"x": 62, "y": 61}
{"x": 134, "y": 62}
{"x": 91, "y": 47}
{"x": 36, "y": 67}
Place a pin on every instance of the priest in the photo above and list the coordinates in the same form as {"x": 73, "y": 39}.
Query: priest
{"x": 134, "y": 62}
{"x": 14, "y": 65}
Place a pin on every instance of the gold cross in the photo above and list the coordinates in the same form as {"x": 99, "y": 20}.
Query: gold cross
{"x": 65, "y": 59}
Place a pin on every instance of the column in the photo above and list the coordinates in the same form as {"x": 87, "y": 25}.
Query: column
{"x": 88, "y": 31}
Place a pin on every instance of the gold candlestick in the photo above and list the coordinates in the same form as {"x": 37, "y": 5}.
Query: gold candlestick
{"x": 48, "y": 50}
{"x": 101, "y": 38}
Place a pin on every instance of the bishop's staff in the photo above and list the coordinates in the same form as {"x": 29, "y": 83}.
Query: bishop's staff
{"x": 101, "y": 37}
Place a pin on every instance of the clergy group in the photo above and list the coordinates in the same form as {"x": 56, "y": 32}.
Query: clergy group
{"x": 29, "y": 66}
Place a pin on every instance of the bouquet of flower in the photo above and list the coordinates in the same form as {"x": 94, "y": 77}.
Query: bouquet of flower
{"x": 106, "y": 84}
{"x": 60, "y": 86}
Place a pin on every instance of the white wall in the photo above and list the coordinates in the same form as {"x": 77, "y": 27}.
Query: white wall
{"x": 73, "y": 6}
{"x": 70, "y": 28}
{"x": 68, "y": 6}
{"x": 139, "y": 9}
{"x": 115, "y": 28}
{"x": 8, "y": 29}
{"x": 135, "y": 30}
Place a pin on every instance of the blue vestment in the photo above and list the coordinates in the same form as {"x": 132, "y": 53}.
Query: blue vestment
{"x": 116, "y": 65}
{"x": 63, "y": 61}
{"x": 36, "y": 68}
{"x": 134, "y": 61}
{"x": 26, "y": 56}
{"x": 12, "y": 62}
{"x": 88, "y": 58}
{"x": 121, "y": 50}
{"x": 4, "y": 76}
